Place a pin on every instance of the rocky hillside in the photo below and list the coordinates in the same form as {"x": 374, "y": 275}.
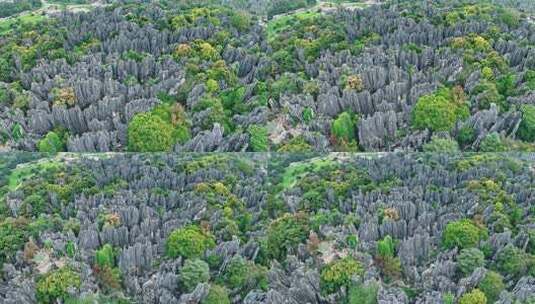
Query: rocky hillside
{"x": 262, "y": 75}
{"x": 259, "y": 228}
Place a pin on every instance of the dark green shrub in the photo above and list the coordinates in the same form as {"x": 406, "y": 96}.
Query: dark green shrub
{"x": 51, "y": 143}
{"x": 149, "y": 133}
{"x": 476, "y": 296}
{"x": 463, "y": 234}
{"x": 363, "y": 294}
{"x": 492, "y": 285}
{"x": 192, "y": 273}
{"x": 188, "y": 242}
{"x": 526, "y": 130}
{"x": 512, "y": 261}
{"x": 216, "y": 295}
{"x": 466, "y": 136}
{"x": 258, "y": 138}
{"x": 13, "y": 235}
{"x": 285, "y": 233}
{"x": 245, "y": 276}
{"x": 338, "y": 274}
{"x": 469, "y": 259}
{"x": 54, "y": 285}
{"x": 492, "y": 143}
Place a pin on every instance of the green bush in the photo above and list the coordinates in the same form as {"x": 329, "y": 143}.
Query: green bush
{"x": 448, "y": 298}
{"x": 343, "y": 127}
{"x": 441, "y": 145}
{"x": 55, "y": 285}
{"x": 216, "y": 295}
{"x": 469, "y": 259}
{"x": 51, "y": 143}
{"x": 149, "y": 133}
{"x": 487, "y": 94}
{"x": 174, "y": 115}
{"x": 476, "y": 296}
{"x": 439, "y": 111}
{"x": 105, "y": 257}
{"x": 245, "y": 276}
{"x": 215, "y": 115}
{"x": 492, "y": 285}
{"x": 338, "y": 274}
{"x": 188, "y": 242}
{"x": 192, "y": 273}
{"x": 512, "y": 261}
{"x": 526, "y": 130}
{"x": 492, "y": 143}
{"x": 13, "y": 235}
{"x": 363, "y": 294}
{"x": 285, "y": 233}
{"x": 385, "y": 247}
{"x": 258, "y": 138}
{"x": 466, "y": 136}
{"x": 463, "y": 234}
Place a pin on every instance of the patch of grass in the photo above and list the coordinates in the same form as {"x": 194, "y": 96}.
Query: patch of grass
{"x": 25, "y": 19}
{"x": 284, "y": 23}
{"x": 299, "y": 169}
{"x": 26, "y": 171}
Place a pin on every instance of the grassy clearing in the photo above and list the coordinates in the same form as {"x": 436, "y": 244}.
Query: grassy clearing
{"x": 300, "y": 169}
{"x": 284, "y": 23}
{"x": 28, "y": 170}
{"x": 7, "y": 24}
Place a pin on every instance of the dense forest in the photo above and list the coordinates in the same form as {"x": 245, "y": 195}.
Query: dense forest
{"x": 260, "y": 228}
{"x": 258, "y": 75}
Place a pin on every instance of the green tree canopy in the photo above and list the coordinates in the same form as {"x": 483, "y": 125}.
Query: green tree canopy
{"x": 463, "y": 234}
{"x": 189, "y": 242}
{"x": 149, "y": 133}
{"x": 440, "y": 111}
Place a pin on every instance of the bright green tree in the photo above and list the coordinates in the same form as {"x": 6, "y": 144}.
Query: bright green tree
{"x": 463, "y": 234}
{"x": 51, "y": 143}
{"x": 189, "y": 242}
{"x": 258, "y": 138}
{"x": 105, "y": 257}
{"x": 54, "y": 286}
{"x": 476, "y": 296}
{"x": 439, "y": 111}
{"x": 149, "y": 133}
{"x": 338, "y": 274}
{"x": 343, "y": 127}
